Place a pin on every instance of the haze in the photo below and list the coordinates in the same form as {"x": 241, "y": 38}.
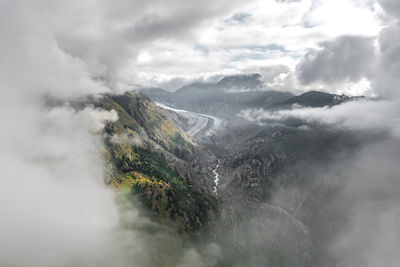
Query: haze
{"x": 298, "y": 179}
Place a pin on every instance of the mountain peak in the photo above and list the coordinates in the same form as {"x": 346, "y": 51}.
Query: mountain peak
{"x": 240, "y": 81}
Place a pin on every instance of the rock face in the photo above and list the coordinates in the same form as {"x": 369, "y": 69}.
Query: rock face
{"x": 256, "y": 159}
{"x": 153, "y": 160}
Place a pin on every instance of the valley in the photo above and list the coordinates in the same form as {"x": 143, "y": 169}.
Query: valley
{"x": 267, "y": 177}
{"x": 258, "y": 190}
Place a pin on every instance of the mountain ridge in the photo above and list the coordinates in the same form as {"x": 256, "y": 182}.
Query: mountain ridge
{"x": 319, "y": 99}
{"x": 224, "y": 98}
{"x": 150, "y": 159}
{"x": 234, "y": 93}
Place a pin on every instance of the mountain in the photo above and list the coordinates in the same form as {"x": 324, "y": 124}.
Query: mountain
{"x": 318, "y": 99}
{"x": 159, "y": 94}
{"x": 223, "y": 99}
{"x": 245, "y": 82}
{"x": 228, "y": 84}
{"x": 232, "y": 94}
{"x": 282, "y": 178}
{"x": 270, "y": 207}
{"x": 152, "y": 160}
{"x": 197, "y": 90}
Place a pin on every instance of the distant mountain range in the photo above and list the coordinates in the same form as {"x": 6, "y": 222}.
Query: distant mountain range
{"x": 237, "y": 92}
{"x": 319, "y": 99}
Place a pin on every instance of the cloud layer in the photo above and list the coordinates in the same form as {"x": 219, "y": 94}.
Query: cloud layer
{"x": 122, "y": 44}
{"x": 55, "y": 208}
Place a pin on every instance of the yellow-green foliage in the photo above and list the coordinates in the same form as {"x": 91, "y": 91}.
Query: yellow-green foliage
{"x": 124, "y": 183}
{"x": 137, "y": 112}
{"x": 141, "y": 173}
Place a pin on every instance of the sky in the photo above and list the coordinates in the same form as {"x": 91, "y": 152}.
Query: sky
{"x": 125, "y": 44}
{"x": 259, "y": 36}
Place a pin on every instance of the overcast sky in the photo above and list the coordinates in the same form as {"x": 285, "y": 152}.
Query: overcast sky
{"x": 120, "y": 44}
{"x": 258, "y": 35}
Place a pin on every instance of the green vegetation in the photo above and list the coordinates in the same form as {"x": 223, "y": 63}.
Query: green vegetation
{"x": 162, "y": 191}
{"x": 179, "y": 140}
{"x": 154, "y": 165}
{"x": 182, "y": 208}
{"x": 143, "y": 171}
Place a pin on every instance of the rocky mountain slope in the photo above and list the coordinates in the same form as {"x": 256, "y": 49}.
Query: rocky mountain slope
{"x": 259, "y": 162}
{"x": 283, "y": 177}
{"x": 153, "y": 160}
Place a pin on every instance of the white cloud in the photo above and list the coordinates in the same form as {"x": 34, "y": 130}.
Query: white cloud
{"x": 273, "y": 33}
{"x": 364, "y": 115}
{"x": 55, "y": 209}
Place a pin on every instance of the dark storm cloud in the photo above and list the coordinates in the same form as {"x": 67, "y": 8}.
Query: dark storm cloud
{"x": 347, "y": 58}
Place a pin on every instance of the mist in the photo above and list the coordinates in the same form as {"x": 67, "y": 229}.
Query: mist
{"x": 55, "y": 206}
{"x": 338, "y": 210}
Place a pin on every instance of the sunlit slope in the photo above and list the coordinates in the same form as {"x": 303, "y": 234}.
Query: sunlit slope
{"x": 153, "y": 160}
